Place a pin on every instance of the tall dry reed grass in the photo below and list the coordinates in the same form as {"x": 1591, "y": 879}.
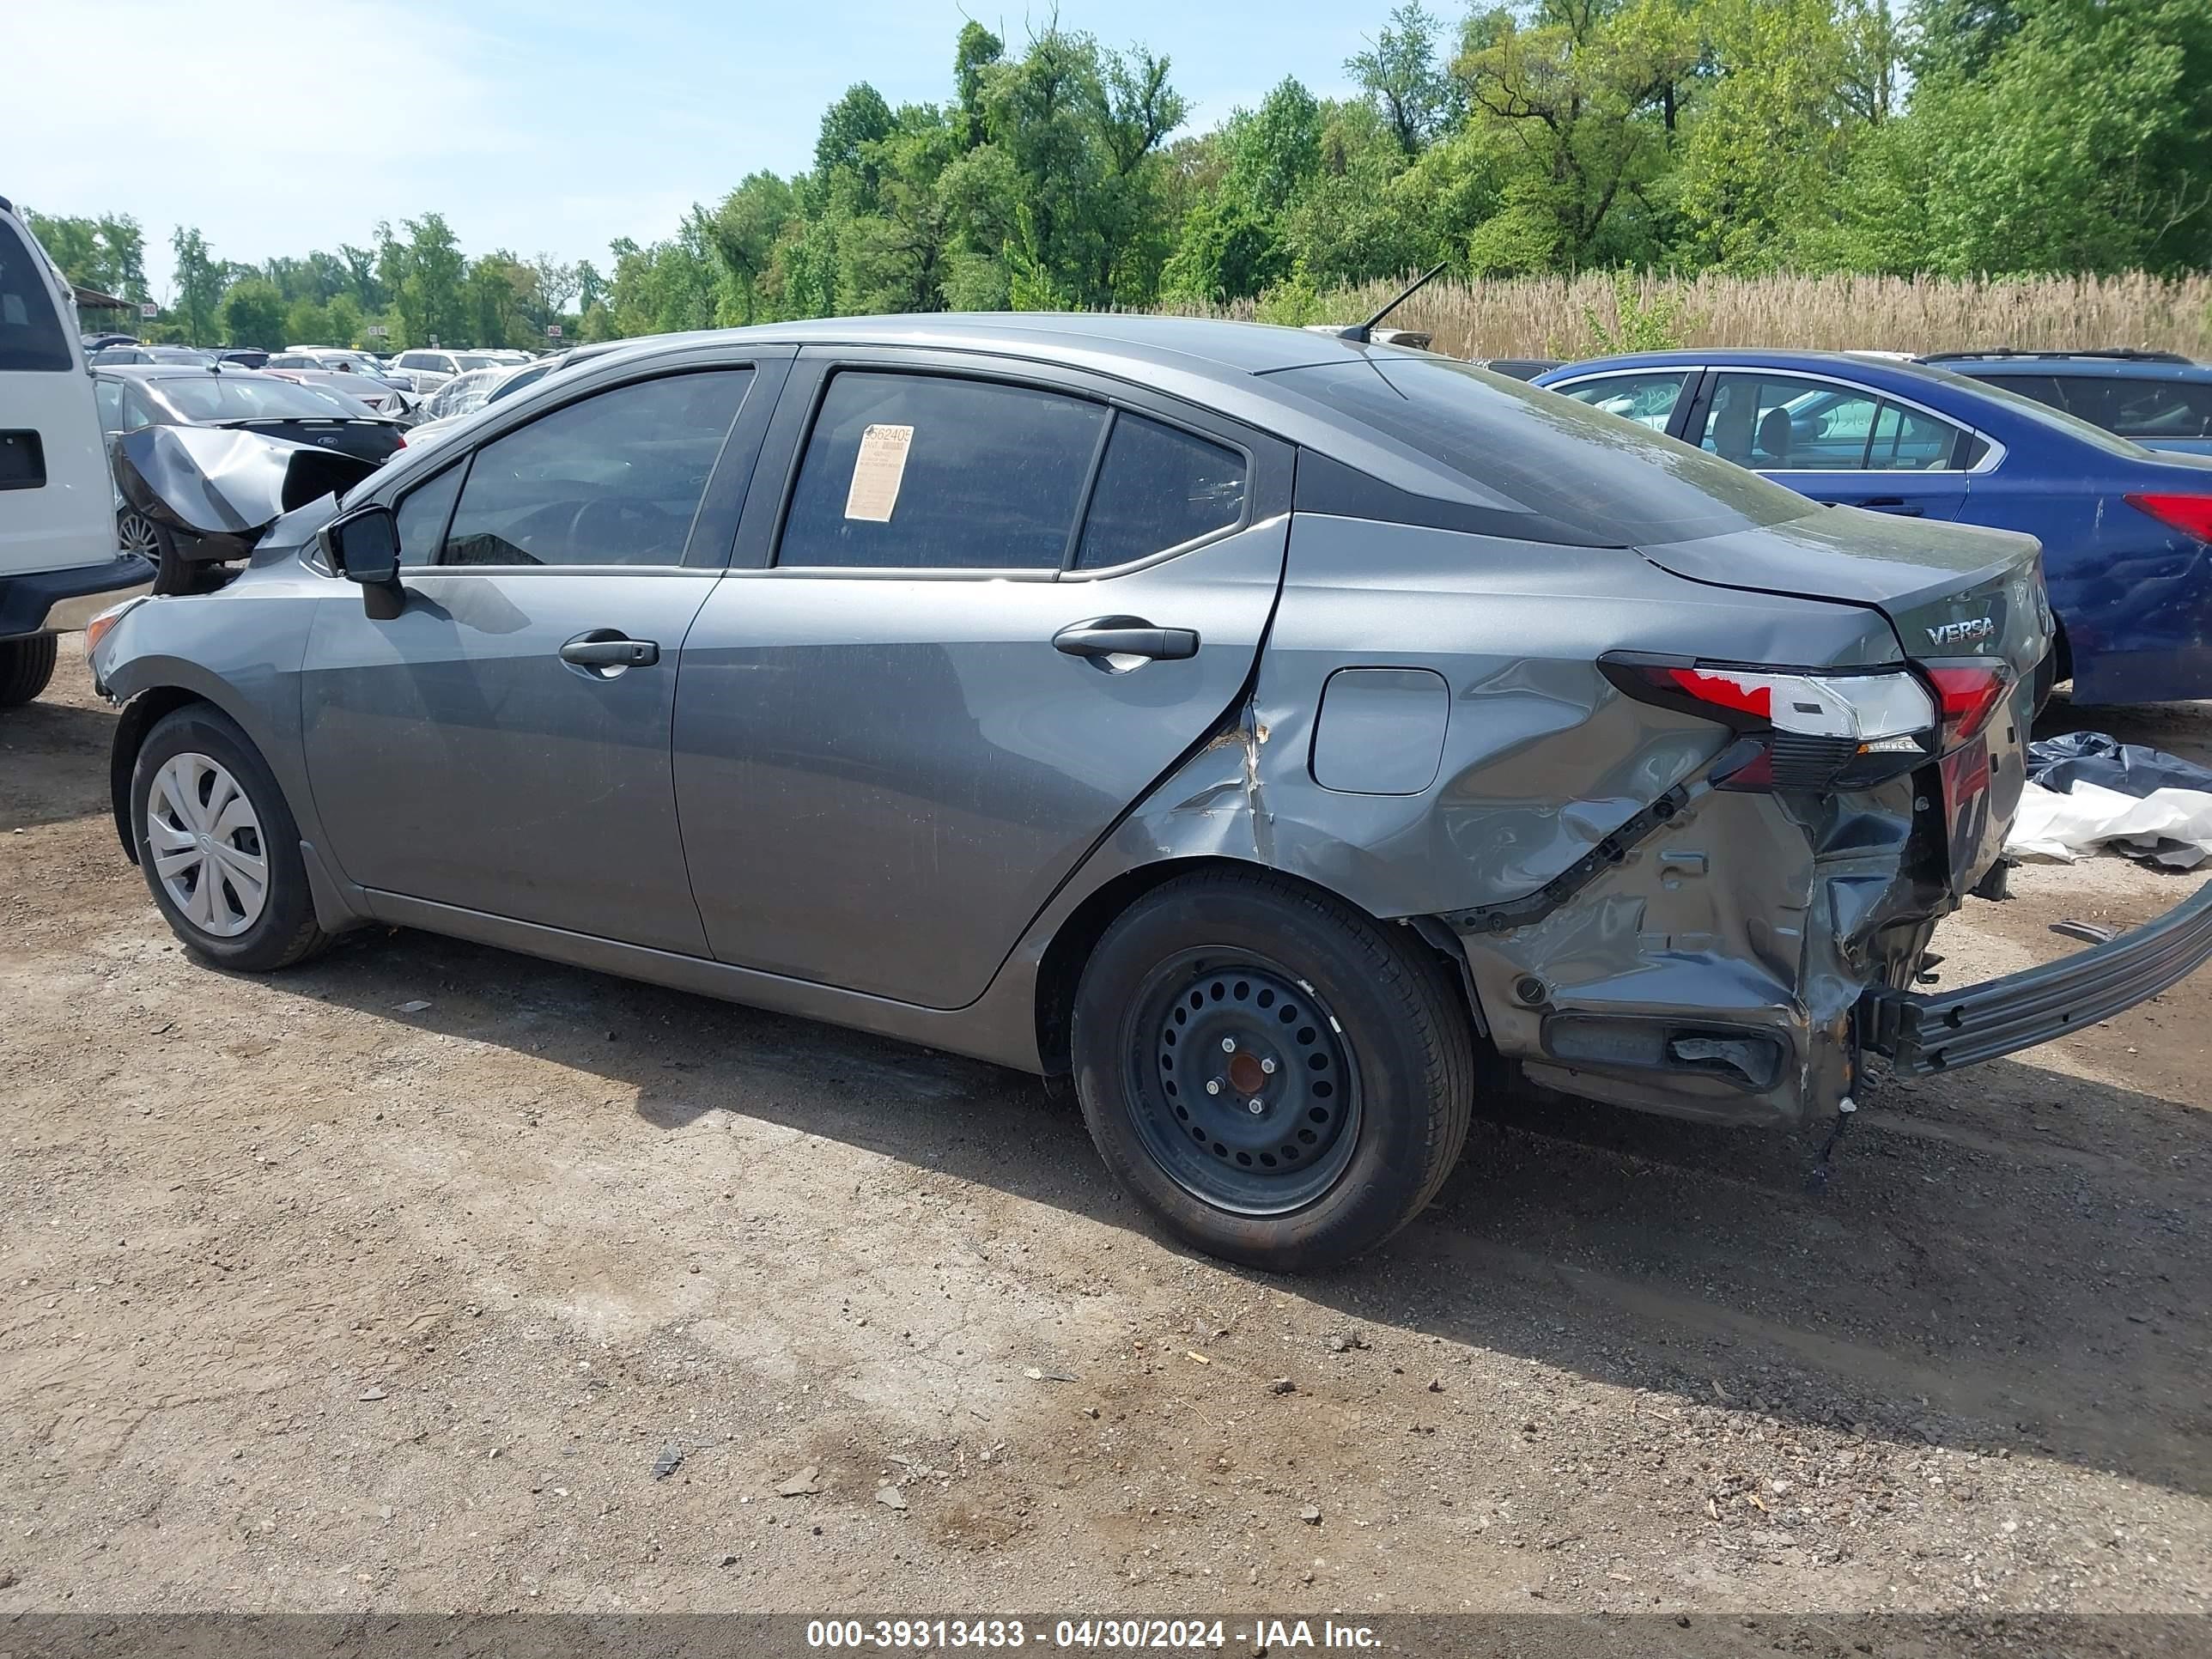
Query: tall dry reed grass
{"x": 1548, "y": 316}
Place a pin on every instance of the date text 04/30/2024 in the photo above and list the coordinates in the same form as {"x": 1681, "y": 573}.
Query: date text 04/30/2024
{"x": 1095, "y": 1635}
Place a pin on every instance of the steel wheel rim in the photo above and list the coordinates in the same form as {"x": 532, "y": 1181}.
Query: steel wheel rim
{"x": 137, "y": 535}
{"x": 1251, "y": 1028}
{"x": 205, "y": 840}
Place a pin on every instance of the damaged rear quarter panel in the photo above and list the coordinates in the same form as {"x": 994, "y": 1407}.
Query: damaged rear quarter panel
{"x": 1543, "y": 760}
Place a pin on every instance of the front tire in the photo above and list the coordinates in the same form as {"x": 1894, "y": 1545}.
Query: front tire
{"x": 1215, "y": 995}
{"x": 218, "y": 845}
{"x": 26, "y": 666}
{"x": 172, "y": 572}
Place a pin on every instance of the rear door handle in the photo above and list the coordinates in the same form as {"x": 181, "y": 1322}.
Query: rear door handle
{"x": 1126, "y": 636}
{"x": 1897, "y": 504}
{"x": 605, "y": 648}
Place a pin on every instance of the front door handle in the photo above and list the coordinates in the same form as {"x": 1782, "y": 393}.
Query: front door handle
{"x": 1126, "y": 636}
{"x": 1897, "y": 504}
{"x": 603, "y": 648}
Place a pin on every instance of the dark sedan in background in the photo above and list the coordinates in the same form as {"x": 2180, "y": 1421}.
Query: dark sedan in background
{"x": 133, "y": 398}
{"x": 2126, "y": 530}
{"x": 2160, "y": 399}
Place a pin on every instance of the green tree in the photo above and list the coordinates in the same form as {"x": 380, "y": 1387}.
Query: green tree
{"x": 1767, "y": 135}
{"x": 343, "y": 323}
{"x": 253, "y": 314}
{"x": 1591, "y": 99}
{"x": 199, "y": 285}
{"x": 1398, "y": 70}
{"x": 107, "y": 253}
{"x": 427, "y": 277}
{"x": 745, "y": 231}
{"x": 306, "y": 323}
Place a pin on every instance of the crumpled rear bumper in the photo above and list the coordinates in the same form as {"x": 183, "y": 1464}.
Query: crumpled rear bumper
{"x": 1922, "y": 1033}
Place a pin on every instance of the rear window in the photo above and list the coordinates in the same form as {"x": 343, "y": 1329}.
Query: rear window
{"x": 31, "y": 337}
{"x": 2000, "y": 387}
{"x": 1605, "y": 482}
{"x": 2138, "y": 408}
{"x": 235, "y": 398}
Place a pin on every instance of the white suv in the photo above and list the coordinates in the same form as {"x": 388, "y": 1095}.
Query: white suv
{"x": 427, "y": 370}
{"x": 59, "y": 562}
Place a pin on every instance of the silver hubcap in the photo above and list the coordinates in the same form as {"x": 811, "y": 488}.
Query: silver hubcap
{"x": 205, "y": 840}
{"x": 137, "y": 536}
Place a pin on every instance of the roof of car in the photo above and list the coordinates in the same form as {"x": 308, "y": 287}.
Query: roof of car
{"x": 2105, "y": 365}
{"x": 1221, "y": 349}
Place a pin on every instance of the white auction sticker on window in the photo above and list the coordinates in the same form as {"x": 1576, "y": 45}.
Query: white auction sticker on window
{"x": 878, "y": 471}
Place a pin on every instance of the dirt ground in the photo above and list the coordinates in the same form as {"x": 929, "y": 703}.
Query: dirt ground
{"x": 313, "y": 1302}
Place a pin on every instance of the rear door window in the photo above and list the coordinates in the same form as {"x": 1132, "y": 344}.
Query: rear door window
{"x": 613, "y": 479}
{"x": 908, "y": 471}
{"x": 1780, "y": 423}
{"x": 1158, "y": 487}
{"x": 31, "y": 334}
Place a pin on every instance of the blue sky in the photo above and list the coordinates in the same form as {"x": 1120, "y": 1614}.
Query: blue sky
{"x": 282, "y": 126}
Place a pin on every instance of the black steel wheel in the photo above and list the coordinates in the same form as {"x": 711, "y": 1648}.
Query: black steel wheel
{"x": 1251, "y": 1101}
{"x": 1279, "y": 1079}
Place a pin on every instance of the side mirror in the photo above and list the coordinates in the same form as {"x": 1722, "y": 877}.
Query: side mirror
{"x": 363, "y": 546}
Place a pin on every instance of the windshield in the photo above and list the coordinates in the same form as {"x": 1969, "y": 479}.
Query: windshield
{"x": 236, "y": 397}
{"x": 476, "y": 360}
{"x": 1608, "y": 482}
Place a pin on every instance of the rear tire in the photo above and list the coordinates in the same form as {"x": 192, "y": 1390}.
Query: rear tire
{"x": 218, "y": 845}
{"x": 26, "y": 667}
{"x": 1358, "y": 1049}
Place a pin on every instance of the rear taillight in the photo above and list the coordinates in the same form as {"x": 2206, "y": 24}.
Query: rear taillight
{"x": 2190, "y": 515}
{"x": 1968, "y": 694}
{"x": 1805, "y": 730}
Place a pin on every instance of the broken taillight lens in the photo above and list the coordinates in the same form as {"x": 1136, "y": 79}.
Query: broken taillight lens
{"x": 1968, "y": 696}
{"x": 1807, "y": 730}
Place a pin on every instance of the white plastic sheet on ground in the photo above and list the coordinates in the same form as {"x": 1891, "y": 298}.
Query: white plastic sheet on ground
{"x": 2171, "y": 826}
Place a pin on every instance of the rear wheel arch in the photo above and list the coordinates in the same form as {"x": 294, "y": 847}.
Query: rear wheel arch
{"x": 1059, "y": 971}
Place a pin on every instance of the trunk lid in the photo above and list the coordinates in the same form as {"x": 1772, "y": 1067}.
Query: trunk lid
{"x": 1958, "y": 597}
{"x": 1950, "y": 592}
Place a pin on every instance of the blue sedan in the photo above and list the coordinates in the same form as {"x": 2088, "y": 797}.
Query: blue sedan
{"x": 2126, "y": 531}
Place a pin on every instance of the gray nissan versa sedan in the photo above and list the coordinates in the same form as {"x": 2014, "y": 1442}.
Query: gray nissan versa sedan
{"x": 1279, "y": 732}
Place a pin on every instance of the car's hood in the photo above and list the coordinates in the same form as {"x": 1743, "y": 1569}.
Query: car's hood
{"x": 226, "y": 484}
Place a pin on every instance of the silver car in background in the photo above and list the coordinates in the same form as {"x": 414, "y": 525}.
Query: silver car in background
{"x": 1284, "y": 735}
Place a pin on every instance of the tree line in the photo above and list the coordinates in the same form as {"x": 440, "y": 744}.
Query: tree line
{"x": 1959, "y": 137}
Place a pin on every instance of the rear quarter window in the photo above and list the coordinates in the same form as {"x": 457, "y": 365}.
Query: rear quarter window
{"x": 31, "y": 334}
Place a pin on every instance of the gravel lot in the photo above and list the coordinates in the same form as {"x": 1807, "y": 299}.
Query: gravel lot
{"x": 314, "y": 1302}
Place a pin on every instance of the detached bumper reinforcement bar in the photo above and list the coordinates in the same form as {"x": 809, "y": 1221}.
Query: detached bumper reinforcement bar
{"x": 1924, "y": 1034}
